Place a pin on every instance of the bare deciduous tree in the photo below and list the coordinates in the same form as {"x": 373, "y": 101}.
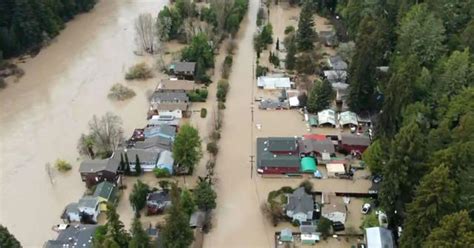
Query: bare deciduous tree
{"x": 145, "y": 33}
{"x": 222, "y": 9}
{"x": 105, "y": 135}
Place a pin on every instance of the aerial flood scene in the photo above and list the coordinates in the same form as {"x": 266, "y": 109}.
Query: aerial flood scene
{"x": 236, "y": 123}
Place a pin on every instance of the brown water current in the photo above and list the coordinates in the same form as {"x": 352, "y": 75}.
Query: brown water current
{"x": 43, "y": 115}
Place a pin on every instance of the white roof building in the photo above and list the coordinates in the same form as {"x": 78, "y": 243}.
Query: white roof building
{"x": 327, "y": 116}
{"x": 347, "y": 118}
{"x": 335, "y": 76}
{"x": 271, "y": 83}
{"x": 378, "y": 237}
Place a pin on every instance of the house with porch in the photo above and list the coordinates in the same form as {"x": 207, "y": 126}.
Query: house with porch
{"x": 300, "y": 206}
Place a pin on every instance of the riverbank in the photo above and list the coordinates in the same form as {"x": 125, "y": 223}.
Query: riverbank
{"x": 44, "y": 113}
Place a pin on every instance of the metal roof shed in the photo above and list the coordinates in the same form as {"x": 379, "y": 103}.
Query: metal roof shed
{"x": 334, "y": 169}
{"x": 378, "y": 237}
{"x": 347, "y": 118}
{"x": 308, "y": 165}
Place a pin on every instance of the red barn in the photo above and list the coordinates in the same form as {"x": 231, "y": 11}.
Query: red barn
{"x": 354, "y": 143}
{"x": 278, "y": 155}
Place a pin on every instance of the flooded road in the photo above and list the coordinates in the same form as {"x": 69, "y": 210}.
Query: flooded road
{"x": 43, "y": 115}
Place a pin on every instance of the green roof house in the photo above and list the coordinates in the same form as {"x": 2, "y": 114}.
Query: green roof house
{"x": 106, "y": 192}
{"x": 286, "y": 235}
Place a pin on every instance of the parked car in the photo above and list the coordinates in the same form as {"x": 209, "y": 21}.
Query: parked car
{"x": 377, "y": 179}
{"x": 338, "y": 226}
{"x": 366, "y": 208}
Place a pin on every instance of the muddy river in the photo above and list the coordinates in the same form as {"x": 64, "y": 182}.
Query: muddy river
{"x": 43, "y": 114}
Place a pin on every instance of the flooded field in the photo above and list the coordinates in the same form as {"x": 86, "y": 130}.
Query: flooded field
{"x": 43, "y": 115}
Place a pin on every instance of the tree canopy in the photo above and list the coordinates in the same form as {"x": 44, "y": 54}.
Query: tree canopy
{"x": 7, "y": 239}
{"x": 305, "y": 35}
{"x": 187, "y": 149}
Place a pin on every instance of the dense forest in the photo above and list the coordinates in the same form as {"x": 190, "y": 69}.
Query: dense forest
{"x": 424, "y": 105}
{"x": 25, "y": 25}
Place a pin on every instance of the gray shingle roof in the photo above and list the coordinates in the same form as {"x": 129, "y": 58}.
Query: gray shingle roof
{"x": 96, "y": 165}
{"x": 300, "y": 202}
{"x": 145, "y": 155}
{"x": 88, "y": 202}
{"x": 169, "y": 97}
{"x": 79, "y": 236}
{"x": 154, "y": 143}
{"x": 265, "y": 157}
{"x": 351, "y": 139}
{"x": 309, "y": 145}
{"x": 184, "y": 66}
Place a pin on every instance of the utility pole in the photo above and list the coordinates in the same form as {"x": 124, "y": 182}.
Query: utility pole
{"x": 251, "y": 165}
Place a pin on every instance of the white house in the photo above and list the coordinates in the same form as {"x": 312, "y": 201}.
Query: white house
{"x": 274, "y": 82}
{"x": 300, "y": 206}
{"x": 88, "y": 206}
{"x": 71, "y": 213}
{"x": 378, "y": 237}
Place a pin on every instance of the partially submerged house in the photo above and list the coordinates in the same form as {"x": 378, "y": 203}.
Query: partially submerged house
{"x": 183, "y": 69}
{"x": 354, "y": 143}
{"x": 154, "y": 143}
{"x": 175, "y": 85}
{"x": 278, "y": 155}
{"x": 73, "y": 236}
{"x": 378, "y": 237}
{"x": 274, "y": 82}
{"x": 169, "y": 103}
{"x": 99, "y": 170}
{"x": 148, "y": 157}
{"x": 327, "y": 118}
{"x": 164, "y": 119}
{"x": 88, "y": 207}
{"x": 71, "y": 213}
{"x": 157, "y": 202}
{"x": 334, "y": 208}
{"x": 106, "y": 193}
{"x": 317, "y": 148}
{"x": 162, "y": 131}
{"x": 300, "y": 205}
{"x": 347, "y": 119}
{"x": 270, "y": 104}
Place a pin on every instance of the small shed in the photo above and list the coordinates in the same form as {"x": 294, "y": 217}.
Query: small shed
{"x": 347, "y": 119}
{"x": 335, "y": 168}
{"x": 308, "y": 165}
{"x": 286, "y": 235}
{"x": 327, "y": 117}
{"x": 309, "y": 238}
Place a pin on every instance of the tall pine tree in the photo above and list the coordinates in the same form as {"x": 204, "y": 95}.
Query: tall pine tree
{"x": 306, "y": 35}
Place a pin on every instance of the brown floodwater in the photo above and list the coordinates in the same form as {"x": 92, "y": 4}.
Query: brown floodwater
{"x": 43, "y": 115}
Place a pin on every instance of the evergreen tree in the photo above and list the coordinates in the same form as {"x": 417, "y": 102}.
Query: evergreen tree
{"x": 115, "y": 228}
{"x": 122, "y": 166}
{"x": 187, "y": 147}
{"x": 277, "y": 46}
{"x": 371, "y": 47}
{"x": 291, "y": 54}
{"x": 176, "y": 232}
{"x": 455, "y": 230}
{"x": 138, "y": 195}
{"x": 7, "y": 239}
{"x": 320, "y": 96}
{"x": 127, "y": 164}
{"x": 434, "y": 198}
{"x": 305, "y": 34}
{"x": 138, "y": 166}
{"x": 205, "y": 196}
{"x": 199, "y": 48}
{"x": 187, "y": 201}
{"x": 457, "y": 73}
{"x": 421, "y": 34}
{"x": 403, "y": 171}
{"x": 140, "y": 238}
{"x": 398, "y": 94}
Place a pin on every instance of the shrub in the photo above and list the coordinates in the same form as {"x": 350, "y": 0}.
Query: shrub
{"x": 203, "y": 113}
{"x": 212, "y": 148}
{"x": 260, "y": 16}
{"x": 139, "y": 71}
{"x": 161, "y": 172}
{"x": 119, "y": 92}
{"x": 289, "y": 29}
{"x": 220, "y": 105}
{"x": 198, "y": 95}
{"x": 307, "y": 185}
{"x": 226, "y": 68}
{"x": 324, "y": 227}
{"x": 222, "y": 89}
{"x": 261, "y": 71}
{"x": 62, "y": 165}
{"x": 216, "y": 135}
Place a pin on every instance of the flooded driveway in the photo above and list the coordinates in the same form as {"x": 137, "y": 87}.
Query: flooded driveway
{"x": 43, "y": 115}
